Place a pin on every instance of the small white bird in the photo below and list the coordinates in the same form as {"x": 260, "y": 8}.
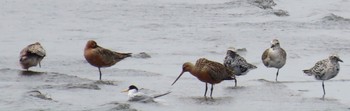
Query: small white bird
{"x": 32, "y": 55}
{"x": 136, "y": 96}
{"x": 325, "y": 69}
{"x": 237, "y": 63}
{"x": 274, "y": 56}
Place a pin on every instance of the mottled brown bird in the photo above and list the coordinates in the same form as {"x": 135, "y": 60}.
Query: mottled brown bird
{"x": 32, "y": 55}
{"x": 101, "y": 57}
{"x": 275, "y": 56}
{"x": 208, "y": 72}
{"x": 325, "y": 69}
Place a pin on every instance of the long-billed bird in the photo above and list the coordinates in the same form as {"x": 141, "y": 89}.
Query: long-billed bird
{"x": 100, "y": 57}
{"x": 208, "y": 72}
{"x": 32, "y": 55}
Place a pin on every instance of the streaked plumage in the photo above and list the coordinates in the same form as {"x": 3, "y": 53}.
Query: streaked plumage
{"x": 208, "y": 72}
{"x": 274, "y": 56}
{"x": 136, "y": 96}
{"x": 237, "y": 63}
{"x": 100, "y": 57}
{"x": 325, "y": 69}
{"x": 32, "y": 55}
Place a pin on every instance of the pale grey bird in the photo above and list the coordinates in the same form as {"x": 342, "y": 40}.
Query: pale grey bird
{"x": 325, "y": 69}
{"x": 136, "y": 96}
{"x": 32, "y": 55}
{"x": 274, "y": 56}
{"x": 237, "y": 63}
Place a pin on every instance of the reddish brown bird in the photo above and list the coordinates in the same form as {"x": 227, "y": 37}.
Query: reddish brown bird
{"x": 209, "y": 72}
{"x": 101, "y": 57}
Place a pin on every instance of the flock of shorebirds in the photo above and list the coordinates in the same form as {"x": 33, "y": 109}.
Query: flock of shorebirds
{"x": 205, "y": 70}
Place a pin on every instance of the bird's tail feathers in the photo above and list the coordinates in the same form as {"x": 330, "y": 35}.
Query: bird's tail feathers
{"x": 123, "y": 55}
{"x": 252, "y": 66}
{"x": 308, "y": 72}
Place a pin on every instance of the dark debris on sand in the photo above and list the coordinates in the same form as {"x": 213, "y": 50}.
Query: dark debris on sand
{"x": 72, "y": 86}
{"x": 142, "y": 55}
{"x": 38, "y": 94}
{"x": 116, "y": 106}
{"x": 263, "y": 4}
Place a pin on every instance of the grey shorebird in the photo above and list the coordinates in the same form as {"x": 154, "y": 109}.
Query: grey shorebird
{"x": 237, "y": 63}
{"x": 136, "y": 96}
{"x": 274, "y": 56}
{"x": 325, "y": 69}
{"x": 100, "y": 57}
{"x": 208, "y": 72}
{"x": 32, "y": 55}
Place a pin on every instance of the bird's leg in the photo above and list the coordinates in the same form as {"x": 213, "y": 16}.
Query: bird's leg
{"x": 277, "y": 74}
{"x": 235, "y": 82}
{"x": 99, "y": 70}
{"x": 211, "y": 91}
{"x": 39, "y": 65}
{"x": 206, "y": 88}
{"x": 324, "y": 91}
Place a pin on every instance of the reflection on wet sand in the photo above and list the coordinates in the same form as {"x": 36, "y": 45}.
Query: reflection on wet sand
{"x": 206, "y": 101}
{"x": 30, "y": 73}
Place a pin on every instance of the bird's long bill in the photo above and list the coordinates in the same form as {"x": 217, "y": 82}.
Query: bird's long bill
{"x": 340, "y": 60}
{"x": 178, "y": 77}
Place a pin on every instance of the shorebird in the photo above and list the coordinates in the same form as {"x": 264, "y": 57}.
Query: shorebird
{"x": 237, "y": 63}
{"x": 136, "y": 96}
{"x": 325, "y": 69}
{"x": 32, "y": 55}
{"x": 208, "y": 72}
{"x": 274, "y": 56}
{"x": 100, "y": 57}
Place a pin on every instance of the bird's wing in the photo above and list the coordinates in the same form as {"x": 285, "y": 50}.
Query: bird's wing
{"x": 284, "y": 54}
{"x": 265, "y": 57}
{"x": 120, "y": 55}
{"x": 242, "y": 62}
{"x": 137, "y": 98}
{"x": 251, "y": 66}
{"x": 238, "y": 62}
{"x": 319, "y": 68}
{"x": 107, "y": 56}
{"x": 35, "y": 49}
{"x": 244, "y": 65}
{"x": 160, "y": 95}
{"x": 216, "y": 70}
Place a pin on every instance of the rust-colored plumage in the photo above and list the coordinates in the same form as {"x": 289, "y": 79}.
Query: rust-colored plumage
{"x": 101, "y": 57}
{"x": 32, "y": 55}
{"x": 208, "y": 71}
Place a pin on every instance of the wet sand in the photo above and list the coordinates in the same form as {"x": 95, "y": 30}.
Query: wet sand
{"x": 171, "y": 32}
